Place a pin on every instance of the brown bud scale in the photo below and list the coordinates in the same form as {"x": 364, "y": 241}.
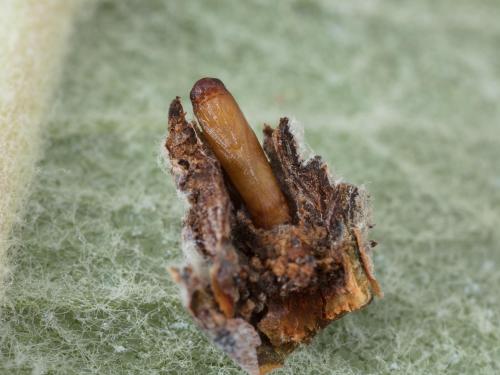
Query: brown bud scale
{"x": 260, "y": 292}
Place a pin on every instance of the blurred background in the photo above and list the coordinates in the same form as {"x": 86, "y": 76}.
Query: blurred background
{"x": 399, "y": 96}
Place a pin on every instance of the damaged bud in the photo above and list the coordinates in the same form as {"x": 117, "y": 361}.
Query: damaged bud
{"x": 239, "y": 152}
{"x": 259, "y": 283}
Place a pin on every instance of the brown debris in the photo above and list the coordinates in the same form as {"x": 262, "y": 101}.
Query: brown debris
{"x": 258, "y": 293}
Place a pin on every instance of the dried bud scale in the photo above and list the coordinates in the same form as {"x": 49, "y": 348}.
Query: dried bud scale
{"x": 265, "y": 288}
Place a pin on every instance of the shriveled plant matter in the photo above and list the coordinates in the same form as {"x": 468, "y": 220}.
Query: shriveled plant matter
{"x": 260, "y": 292}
